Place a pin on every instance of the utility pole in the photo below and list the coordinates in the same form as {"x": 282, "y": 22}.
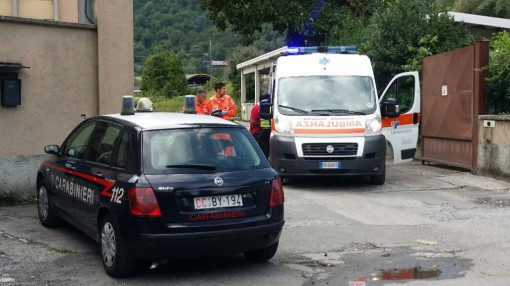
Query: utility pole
{"x": 210, "y": 63}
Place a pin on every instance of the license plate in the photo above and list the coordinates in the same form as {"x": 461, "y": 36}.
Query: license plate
{"x": 214, "y": 202}
{"x": 330, "y": 165}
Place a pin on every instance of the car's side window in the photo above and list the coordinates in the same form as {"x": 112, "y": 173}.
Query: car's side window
{"x": 101, "y": 146}
{"x": 76, "y": 144}
{"x": 121, "y": 157}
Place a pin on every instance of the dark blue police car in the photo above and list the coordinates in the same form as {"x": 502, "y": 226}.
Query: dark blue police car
{"x": 154, "y": 186}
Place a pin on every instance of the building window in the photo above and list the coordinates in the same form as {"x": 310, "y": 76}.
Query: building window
{"x": 36, "y": 9}
{"x": 70, "y": 11}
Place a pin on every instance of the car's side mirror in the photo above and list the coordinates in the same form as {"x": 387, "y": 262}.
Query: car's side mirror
{"x": 51, "y": 149}
{"x": 390, "y": 108}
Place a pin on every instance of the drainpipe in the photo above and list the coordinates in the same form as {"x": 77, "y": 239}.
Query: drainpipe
{"x": 85, "y": 11}
{"x": 55, "y": 9}
{"x": 15, "y": 8}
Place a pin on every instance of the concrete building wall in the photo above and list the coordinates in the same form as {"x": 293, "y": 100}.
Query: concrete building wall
{"x": 59, "y": 85}
{"x": 494, "y": 145}
{"x": 73, "y": 70}
{"x": 115, "y": 49}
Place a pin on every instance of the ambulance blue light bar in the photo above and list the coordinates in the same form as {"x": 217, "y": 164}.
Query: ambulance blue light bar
{"x": 322, "y": 49}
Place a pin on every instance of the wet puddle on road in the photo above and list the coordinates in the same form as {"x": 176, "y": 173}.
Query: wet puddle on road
{"x": 397, "y": 274}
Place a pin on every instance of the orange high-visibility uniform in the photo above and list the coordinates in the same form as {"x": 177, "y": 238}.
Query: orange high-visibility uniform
{"x": 225, "y": 103}
{"x": 204, "y": 107}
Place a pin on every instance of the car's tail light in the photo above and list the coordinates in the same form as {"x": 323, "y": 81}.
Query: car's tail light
{"x": 277, "y": 197}
{"x": 142, "y": 202}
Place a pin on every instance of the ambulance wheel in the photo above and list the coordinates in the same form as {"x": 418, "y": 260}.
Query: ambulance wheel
{"x": 379, "y": 179}
{"x": 261, "y": 255}
{"x": 47, "y": 215}
{"x": 116, "y": 260}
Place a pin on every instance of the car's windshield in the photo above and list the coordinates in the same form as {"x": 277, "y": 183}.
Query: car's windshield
{"x": 199, "y": 150}
{"x": 326, "y": 95}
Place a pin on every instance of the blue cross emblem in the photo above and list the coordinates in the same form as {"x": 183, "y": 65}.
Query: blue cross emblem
{"x": 324, "y": 61}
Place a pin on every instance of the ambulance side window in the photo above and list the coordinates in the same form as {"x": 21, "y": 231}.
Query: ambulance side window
{"x": 77, "y": 142}
{"x": 402, "y": 89}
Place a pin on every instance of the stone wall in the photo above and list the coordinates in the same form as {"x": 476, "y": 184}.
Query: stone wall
{"x": 494, "y": 146}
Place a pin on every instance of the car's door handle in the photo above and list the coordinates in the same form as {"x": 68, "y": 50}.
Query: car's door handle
{"x": 99, "y": 174}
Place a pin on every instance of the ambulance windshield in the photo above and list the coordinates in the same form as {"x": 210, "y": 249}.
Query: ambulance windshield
{"x": 326, "y": 95}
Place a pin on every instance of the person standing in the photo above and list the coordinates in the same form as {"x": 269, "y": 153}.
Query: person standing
{"x": 222, "y": 104}
{"x": 255, "y": 121}
{"x": 202, "y": 105}
{"x": 260, "y": 126}
{"x": 200, "y": 102}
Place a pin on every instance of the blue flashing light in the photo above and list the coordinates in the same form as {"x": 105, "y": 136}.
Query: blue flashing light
{"x": 293, "y": 50}
{"x": 320, "y": 49}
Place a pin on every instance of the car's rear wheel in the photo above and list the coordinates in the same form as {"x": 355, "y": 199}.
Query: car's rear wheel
{"x": 261, "y": 255}
{"x": 47, "y": 215}
{"x": 116, "y": 260}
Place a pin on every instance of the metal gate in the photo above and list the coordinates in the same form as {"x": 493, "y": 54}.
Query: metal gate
{"x": 453, "y": 95}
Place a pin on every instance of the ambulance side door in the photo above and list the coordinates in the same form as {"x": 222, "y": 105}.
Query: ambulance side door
{"x": 402, "y": 131}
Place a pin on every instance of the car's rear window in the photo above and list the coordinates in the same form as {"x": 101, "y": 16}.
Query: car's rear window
{"x": 199, "y": 150}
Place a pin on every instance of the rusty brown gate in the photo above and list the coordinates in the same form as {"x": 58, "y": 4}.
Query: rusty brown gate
{"x": 453, "y": 95}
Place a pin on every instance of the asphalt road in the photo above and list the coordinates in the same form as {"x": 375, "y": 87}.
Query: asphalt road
{"x": 426, "y": 221}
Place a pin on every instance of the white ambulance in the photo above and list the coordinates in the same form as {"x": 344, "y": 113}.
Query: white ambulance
{"x": 329, "y": 120}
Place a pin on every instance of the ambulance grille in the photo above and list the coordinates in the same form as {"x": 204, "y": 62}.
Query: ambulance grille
{"x": 342, "y": 149}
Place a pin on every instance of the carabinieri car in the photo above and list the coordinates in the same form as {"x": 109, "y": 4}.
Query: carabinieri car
{"x": 157, "y": 186}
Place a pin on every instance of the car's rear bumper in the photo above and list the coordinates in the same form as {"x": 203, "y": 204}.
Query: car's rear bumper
{"x": 208, "y": 243}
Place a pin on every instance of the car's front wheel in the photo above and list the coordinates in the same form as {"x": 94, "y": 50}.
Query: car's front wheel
{"x": 116, "y": 260}
{"x": 261, "y": 255}
{"x": 47, "y": 215}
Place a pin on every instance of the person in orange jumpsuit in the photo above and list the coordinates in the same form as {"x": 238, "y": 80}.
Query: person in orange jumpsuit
{"x": 222, "y": 104}
{"x": 202, "y": 105}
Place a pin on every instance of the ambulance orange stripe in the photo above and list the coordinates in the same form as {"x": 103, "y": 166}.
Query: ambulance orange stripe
{"x": 107, "y": 184}
{"x": 404, "y": 119}
{"x": 329, "y": 131}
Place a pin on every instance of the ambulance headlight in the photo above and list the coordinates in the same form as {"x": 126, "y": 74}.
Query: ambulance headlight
{"x": 283, "y": 125}
{"x": 373, "y": 125}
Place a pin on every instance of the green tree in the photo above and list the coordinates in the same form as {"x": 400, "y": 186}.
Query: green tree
{"x": 305, "y": 22}
{"x": 491, "y": 8}
{"x": 163, "y": 76}
{"x": 498, "y": 88}
{"x": 394, "y": 44}
{"x": 181, "y": 27}
{"x": 239, "y": 55}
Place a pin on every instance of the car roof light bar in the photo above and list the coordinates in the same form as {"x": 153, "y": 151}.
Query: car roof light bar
{"x": 322, "y": 49}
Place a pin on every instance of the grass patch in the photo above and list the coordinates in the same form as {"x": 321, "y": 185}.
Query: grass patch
{"x": 14, "y": 198}
{"x": 2, "y": 253}
{"x": 163, "y": 104}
